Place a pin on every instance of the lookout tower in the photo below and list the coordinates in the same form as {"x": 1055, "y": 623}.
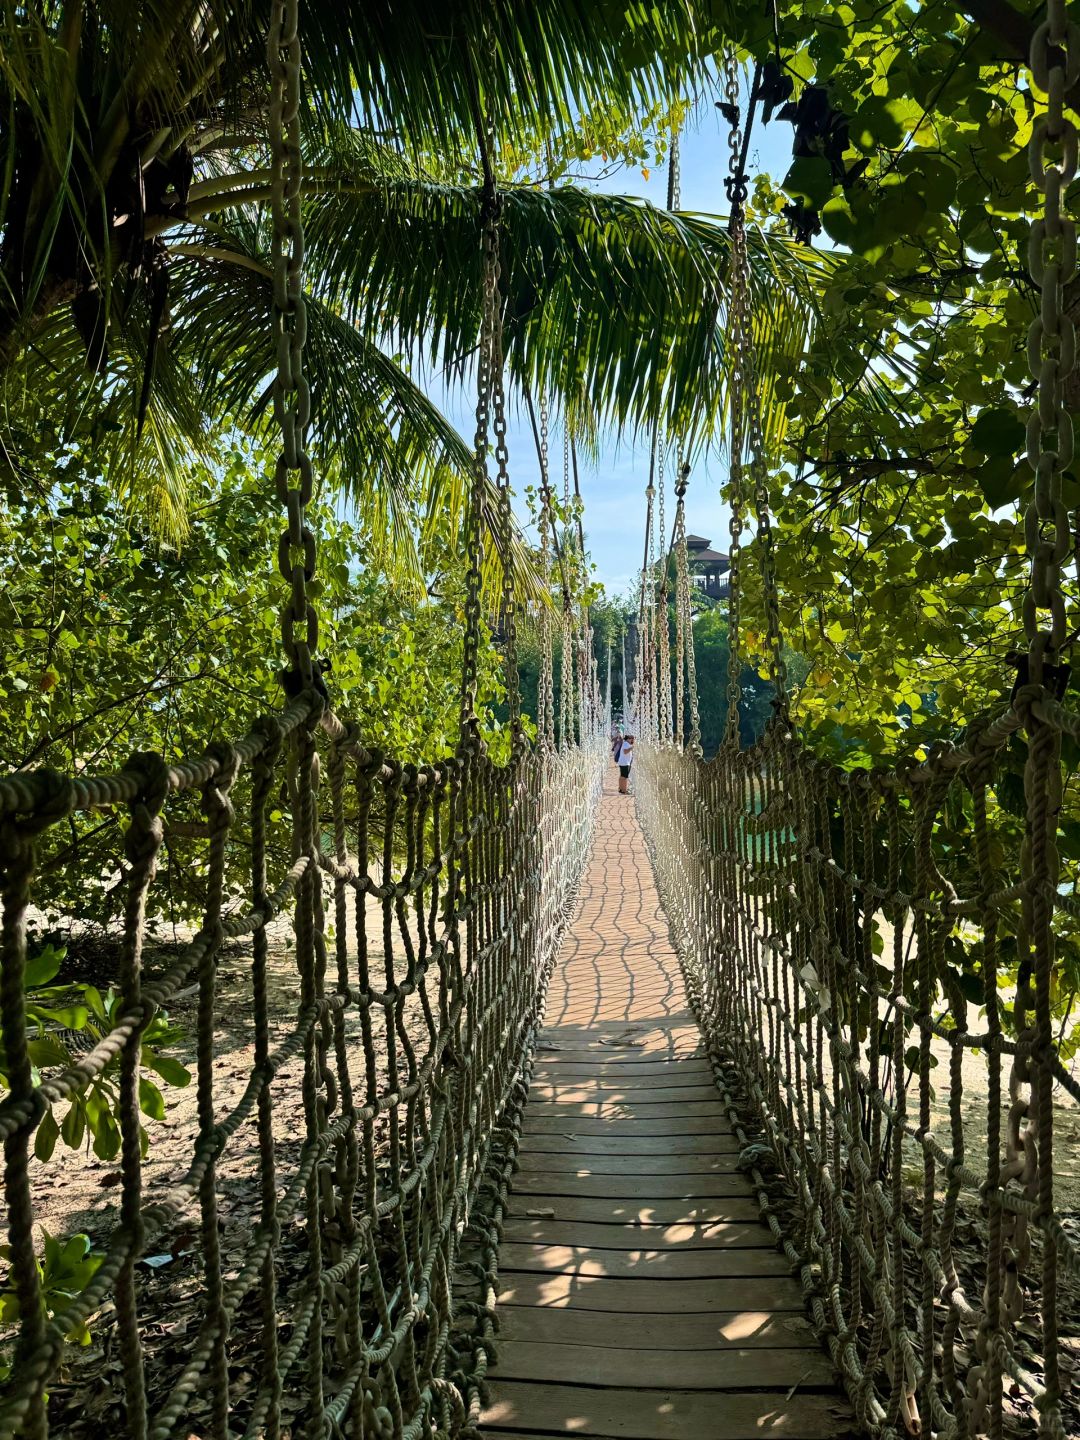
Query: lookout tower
{"x": 707, "y": 566}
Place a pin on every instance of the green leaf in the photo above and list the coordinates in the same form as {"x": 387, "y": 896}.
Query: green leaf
{"x": 48, "y": 1132}
{"x": 998, "y": 431}
{"x": 44, "y": 966}
{"x": 1002, "y": 480}
{"x": 151, "y": 1100}
{"x": 170, "y": 1069}
{"x": 74, "y": 1125}
{"x": 47, "y": 1050}
{"x": 883, "y": 122}
{"x": 106, "y": 1137}
{"x": 70, "y": 1017}
{"x": 810, "y": 179}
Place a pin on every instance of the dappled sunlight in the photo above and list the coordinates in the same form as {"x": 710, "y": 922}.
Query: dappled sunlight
{"x": 640, "y": 1294}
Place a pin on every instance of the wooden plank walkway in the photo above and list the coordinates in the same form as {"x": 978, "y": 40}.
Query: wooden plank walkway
{"x": 641, "y": 1296}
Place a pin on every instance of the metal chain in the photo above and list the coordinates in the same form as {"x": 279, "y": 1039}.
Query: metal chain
{"x": 685, "y": 620}
{"x": 736, "y": 404}
{"x": 566, "y": 680}
{"x": 663, "y": 643}
{"x": 1051, "y": 346}
{"x": 566, "y": 471}
{"x": 645, "y": 671}
{"x": 674, "y": 172}
{"x": 474, "y": 537}
{"x": 685, "y": 668}
{"x": 291, "y": 391}
{"x": 746, "y": 426}
{"x": 506, "y": 514}
{"x": 546, "y": 695}
{"x": 1051, "y": 343}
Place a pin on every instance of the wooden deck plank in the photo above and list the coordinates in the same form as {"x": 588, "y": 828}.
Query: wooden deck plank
{"x": 714, "y": 1122}
{"x": 718, "y": 1235}
{"x": 625, "y": 1138}
{"x": 609, "y": 1210}
{"x": 640, "y": 1296}
{"x": 656, "y": 1264}
{"x": 594, "y": 1100}
{"x": 580, "y": 1161}
{"x": 645, "y": 1296}
{"x": 662, "y": 1414}
{"x": 600, "y": 1363}
{"x": 742, "y": 1329}
{"x": 631, "y": 1186}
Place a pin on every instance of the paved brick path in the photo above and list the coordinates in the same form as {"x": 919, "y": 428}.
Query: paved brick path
{"x": 641, "y": 1296}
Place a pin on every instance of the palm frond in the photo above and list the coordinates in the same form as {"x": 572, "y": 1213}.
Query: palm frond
{"x": 613, "y": 306}
{"x": 376, "y": 435}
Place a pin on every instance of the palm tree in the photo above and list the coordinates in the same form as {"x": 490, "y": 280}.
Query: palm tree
{"x": 134, "y": 236}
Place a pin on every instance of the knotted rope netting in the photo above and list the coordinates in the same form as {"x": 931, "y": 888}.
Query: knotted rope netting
{"x": 813, "y": 913}
{"x": 378, "y": 1180}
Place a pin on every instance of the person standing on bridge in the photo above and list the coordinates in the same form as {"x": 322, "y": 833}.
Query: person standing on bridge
{"x": 625, "y": 759}
{"x": 616, "y": 740}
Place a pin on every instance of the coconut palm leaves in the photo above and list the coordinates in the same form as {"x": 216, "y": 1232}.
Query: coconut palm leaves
{"x": 133, "y": 247}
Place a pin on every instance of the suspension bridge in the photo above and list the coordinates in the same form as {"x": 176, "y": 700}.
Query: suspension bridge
{"x": 596, "y": 1115}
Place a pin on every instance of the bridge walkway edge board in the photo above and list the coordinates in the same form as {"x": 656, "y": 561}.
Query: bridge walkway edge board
{"x": 641, "y": 1296}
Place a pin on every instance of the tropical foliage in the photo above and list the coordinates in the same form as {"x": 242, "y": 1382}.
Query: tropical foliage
{"x": 134, "y": 240}
{"x": 901, "y": 551}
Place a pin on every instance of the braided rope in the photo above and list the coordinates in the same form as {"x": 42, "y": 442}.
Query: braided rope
{"x": 450, "y": 885}
{"x": 814, "y": 912}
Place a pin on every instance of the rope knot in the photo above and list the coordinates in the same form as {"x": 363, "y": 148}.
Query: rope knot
{"x": 144, "y": 834}
{"x": 54, "y": 796}
{"x": 270, "y": 728}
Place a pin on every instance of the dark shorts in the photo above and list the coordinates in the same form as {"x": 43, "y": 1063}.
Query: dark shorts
{"x": 624, "y": 771}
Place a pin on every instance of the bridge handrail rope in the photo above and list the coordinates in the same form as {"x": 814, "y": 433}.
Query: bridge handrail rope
{"x": 448, "y": 883}
{"x": 784, "y": 875}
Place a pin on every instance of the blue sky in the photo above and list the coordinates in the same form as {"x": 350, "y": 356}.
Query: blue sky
{"x": 614, "y": 488}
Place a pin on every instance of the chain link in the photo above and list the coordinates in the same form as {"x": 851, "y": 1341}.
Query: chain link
{"x": 474, "y": 535}
{"x": 291, "y": 391}
{"x": 506, "y": 514}
{"x": 747, "y": 438}
{"x": 546, "y": 697}
{"x": 735, "y": 407}
{"x": 663, "y": 642}
{"x": 1051, "y": 342}
{"x": 674, "y": 173}
{"x": 684, "y": 615}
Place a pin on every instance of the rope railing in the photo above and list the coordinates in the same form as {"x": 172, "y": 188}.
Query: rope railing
{"x": 414, "y": 1022}
{"x": 813, "y": 918}
{"x": 871, "y": 952}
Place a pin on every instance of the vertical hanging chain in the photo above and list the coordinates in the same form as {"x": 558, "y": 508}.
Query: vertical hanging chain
{"x": 292, "y": 394}
{"x": 686, "y": 666}
{"x": 546, "y": 697}
{"x": 736, "y": 191}
{"x": 685, "y": 615}
{"x": 1051, "y": 344}
{"x": 566, "y": 471}
{"x": 569, "y": 681}
{"x": 506, "y": 513}
{"x": 474, "y": 535}
{"x": 747, "y": 435}
{"x": 642, "y": 663}
{"x": 663, "y": 643}
{"x": 653, "y": 698}
{"x": 674, "y": 174}
{"x": 680, "y": 626}
{"x": 622, "y": 674}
